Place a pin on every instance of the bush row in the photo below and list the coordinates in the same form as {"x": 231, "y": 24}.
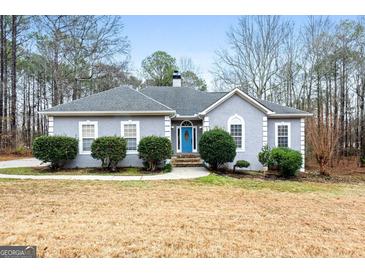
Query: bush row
{"x": 57, "y": 150}
{"x": 216, "y": 147}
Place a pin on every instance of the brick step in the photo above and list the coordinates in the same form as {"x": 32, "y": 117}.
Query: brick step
{"x": 187, "y": 164}
{"x": 186, "y": 156}
{"x": 185, "y": 160}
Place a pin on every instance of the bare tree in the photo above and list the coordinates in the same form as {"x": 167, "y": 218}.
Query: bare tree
{"x": 323, "y": 140}
{"x": 251, "y": 62}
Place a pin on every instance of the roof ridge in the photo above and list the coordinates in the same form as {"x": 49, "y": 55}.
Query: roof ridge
{"x": 140, "y": 92}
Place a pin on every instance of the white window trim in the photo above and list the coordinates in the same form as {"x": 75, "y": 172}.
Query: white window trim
{"x": 243, "y": 139}
{"x": 178, "y": 137}
{"x": 130, "y": 122}
{"x": 179, "y": 149}
{"x": 195, "y": 128}
{"x": 289, "y": 132}
{"x": 82, "y": 123}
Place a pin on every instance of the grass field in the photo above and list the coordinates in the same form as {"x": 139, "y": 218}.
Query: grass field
{"x": 213, "y": 216}
{"x": 125, "y": 171}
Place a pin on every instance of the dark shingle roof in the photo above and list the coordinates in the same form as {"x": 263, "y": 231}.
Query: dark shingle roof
{"x": 185, "y": 101}
{"x": 116, "y": 99}
{"x": 279, "y": 109}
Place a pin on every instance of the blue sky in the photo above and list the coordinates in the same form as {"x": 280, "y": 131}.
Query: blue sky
{"x": 197, "y": 37}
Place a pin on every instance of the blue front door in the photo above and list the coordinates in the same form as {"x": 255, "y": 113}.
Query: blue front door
{"x": 186, "y": 139}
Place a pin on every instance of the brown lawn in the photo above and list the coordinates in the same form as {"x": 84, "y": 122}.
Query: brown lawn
{"x": 214, "y": 217}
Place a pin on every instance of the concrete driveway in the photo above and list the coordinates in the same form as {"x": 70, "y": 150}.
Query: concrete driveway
{"x": 26, "y": 162}
{"x": 177, "y": 173}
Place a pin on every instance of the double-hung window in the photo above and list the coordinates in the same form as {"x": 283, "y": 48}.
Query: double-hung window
{"x": 130, "y": 132}
{"x": 236, "y": 127}
{"x": 282, "y": 131}
{"x": 88, "y": 132}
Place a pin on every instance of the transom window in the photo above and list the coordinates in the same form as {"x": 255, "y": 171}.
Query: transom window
{"x": 130, "y": 132}
{"x": 282, "y": 134}
{"x": 186, "y": 124}
{"x": 236, "y": 127}
{"x": 88, "y": 133}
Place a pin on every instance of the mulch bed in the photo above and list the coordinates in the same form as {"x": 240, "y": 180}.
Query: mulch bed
{"x": 354, "y": 177}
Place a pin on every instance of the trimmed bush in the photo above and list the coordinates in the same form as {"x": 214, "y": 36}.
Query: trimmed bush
{"x": 287, "y": 161}
{"x": 167, "y": 168}
{"x": 110, "y": 150}
{"x": 56, "y": 150}
{"x": 264, "y": 156}
{"x": 153, "y": 150}
{"x": 241, "y": 164}
{"x": 217, "y": 147}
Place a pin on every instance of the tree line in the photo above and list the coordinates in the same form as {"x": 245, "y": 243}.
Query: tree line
{"x": 318, "y": 67}
{"x": 49, "y": 60}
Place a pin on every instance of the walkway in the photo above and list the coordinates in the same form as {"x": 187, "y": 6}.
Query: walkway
{"x": 178, "y": 173}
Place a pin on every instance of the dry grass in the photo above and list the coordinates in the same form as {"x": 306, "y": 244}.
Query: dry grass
{"x": 210, "y": 217}
{"x": 125, "y": 171}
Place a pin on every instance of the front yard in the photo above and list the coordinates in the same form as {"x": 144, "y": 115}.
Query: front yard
{"x": 213, "y": 216}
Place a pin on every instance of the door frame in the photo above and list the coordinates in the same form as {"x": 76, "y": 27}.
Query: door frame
{"x": 194, "y": 131}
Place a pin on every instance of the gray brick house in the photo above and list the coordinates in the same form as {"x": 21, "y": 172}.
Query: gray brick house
{"x": 181, "y": 114}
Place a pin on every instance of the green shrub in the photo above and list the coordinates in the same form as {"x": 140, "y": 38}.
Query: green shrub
{"x": 217, "y": 147}
{"x": 264, "y": 156}
{"x": 241, "y": 164}
{"x": 55, "y": 150}
{"x": 154, "y": 149}
{"x": 110, "y": 150}
{"x": 167, "y": 168}
{"x": 287, "y": 161}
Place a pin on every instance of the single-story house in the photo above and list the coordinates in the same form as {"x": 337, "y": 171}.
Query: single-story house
{"x": 180, "y": 114}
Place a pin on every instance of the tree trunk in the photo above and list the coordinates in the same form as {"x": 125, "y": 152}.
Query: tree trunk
{"x": 13, "y": 79}
{"x": 5, "y": 88}
{"x": 2, "y": 55}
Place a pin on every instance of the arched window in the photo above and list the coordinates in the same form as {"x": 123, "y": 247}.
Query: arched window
{"x": 186, "y": 124}
{"x": 236, "y": 127}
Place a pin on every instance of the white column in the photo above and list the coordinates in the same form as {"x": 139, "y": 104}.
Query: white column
{"x": 205, "y": 124}
{"x": 168, "y": 127}
{"x": 302, "y": 142}
{"x": 264, "y": 131}
{"x": 50, "y": 125}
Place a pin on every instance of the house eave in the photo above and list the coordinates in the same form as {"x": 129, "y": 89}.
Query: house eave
{"x": 186, "y": 117}
{"x": 106, "y": 113}
{"x": 289, "y": 115}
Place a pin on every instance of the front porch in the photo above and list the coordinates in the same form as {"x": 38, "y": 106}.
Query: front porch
{"x": 185, "y": 136}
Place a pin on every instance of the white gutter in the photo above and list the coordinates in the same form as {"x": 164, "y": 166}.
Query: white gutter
{"x": 105, "y": 113}
{"x": 289, "y": 115}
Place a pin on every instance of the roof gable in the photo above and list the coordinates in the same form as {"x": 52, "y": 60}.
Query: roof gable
{"x": 241, "y": 94}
